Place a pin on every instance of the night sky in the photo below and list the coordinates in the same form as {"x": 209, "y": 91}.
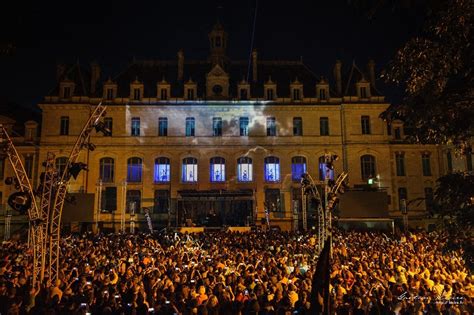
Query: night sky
{"x": 113, "y": 33}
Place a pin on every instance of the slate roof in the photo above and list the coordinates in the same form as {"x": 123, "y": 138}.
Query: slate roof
{"x": 150, "y": 72}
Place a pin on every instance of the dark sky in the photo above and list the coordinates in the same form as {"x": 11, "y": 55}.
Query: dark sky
{"x": 114, "y": 32}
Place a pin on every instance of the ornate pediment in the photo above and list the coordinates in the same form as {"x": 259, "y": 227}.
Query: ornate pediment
{"x": 217, "y": 71}
{"x": 217, "y": 83}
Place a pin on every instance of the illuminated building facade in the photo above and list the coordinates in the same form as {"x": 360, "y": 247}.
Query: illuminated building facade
{"x": 219, "y": 139}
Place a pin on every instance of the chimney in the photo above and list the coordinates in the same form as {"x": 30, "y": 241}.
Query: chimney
{"x": 371, "y": 67}
{"x": 338, "y": 77}
{"x": 180, "y": 65}
{"x": 60, "y": 70}
{"x": 254, "y": 65}
{"x": 95, "y": 75}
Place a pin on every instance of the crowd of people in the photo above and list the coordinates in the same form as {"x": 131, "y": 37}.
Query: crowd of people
{"x": 230, "y": 273}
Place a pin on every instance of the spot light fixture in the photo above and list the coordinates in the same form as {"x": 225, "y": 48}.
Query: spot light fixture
{"x": 100, "y": 127}
{"x": 75, "y": 168}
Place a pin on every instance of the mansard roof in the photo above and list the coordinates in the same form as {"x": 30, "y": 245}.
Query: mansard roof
{"x": 152, "y": 71}
{"x": 81, "y": 77}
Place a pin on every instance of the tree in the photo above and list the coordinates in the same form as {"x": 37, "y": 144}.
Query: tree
{"x": 435, "y": 69}
{"x": 455, "y": 196}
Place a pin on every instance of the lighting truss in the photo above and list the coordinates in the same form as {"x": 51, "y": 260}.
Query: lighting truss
{"x": 57, "y": 207}
{"x": 37, "y": 225}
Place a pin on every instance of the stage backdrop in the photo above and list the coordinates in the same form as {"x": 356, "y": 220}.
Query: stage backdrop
{"x": 363, "y": 204}
{"x": 82, "y": 210}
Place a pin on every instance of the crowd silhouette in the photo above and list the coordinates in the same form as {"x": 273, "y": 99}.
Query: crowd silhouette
{"x": 230, "y": 273}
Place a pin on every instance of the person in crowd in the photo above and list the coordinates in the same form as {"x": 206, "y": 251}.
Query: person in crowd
{"x": 264, "y": 272}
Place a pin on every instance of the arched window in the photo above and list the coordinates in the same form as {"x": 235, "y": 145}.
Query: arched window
{"x": 106, "y": 169}
{"x": 367, "y": 166}
{"x": 272, "y": 169}
{"x": 134, "y": 170}
{"x": 190, "y": 170}
{"x": 61, "y": 163}
{"x": 162, "y": 170}
{"x": 324, "y": 170}
{"x": 244, "y": 169}
{"x": 217, "y": 169}
{"x": 298, "y": 167}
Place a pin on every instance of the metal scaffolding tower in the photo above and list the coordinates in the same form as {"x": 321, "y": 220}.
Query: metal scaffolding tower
{"x": 46, "y": 218}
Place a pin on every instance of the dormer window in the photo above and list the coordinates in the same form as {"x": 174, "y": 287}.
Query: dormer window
{"x": 243, "y": 94}
{"x": 296, "y": 94}
{"x": 66, "y": 89}
{"x": 190, "y": 89}
{"x": 136, "y": 90}
{"x": 270, "y": 89}
{"x": 67, "y": 92}
{"x": 110, "y": 94}
{"x": 110, "y": 90}
{"x": 322, "y": 90}
{"x": 322, "y": 94}
{"x": 164, "y": 94}
{"x": 269, "y": 94}
{"x": 136, "y": 94}
{"x": 363, "y": 89}
{"x": 164, "y": 90}
{"x": 243, "y": 89}
{"x": 190, "y": 94}
{"x": 296, "y": 89}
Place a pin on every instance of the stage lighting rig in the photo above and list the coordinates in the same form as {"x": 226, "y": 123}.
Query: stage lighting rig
{"x": 20, "y": 201}
{"x": 9, "y": 181}
{"x": 329, "y": 160}
{"x": 100, "y": 127}
{"x": 75, "y": 168}
{"x": 89, "y": 146}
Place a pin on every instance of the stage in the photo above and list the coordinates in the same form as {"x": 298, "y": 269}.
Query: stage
{"x": 201, "y": 229}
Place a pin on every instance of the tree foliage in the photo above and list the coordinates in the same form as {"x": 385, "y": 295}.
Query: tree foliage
{"x": 455, "y": 196}
{"x": 435, "y": 69}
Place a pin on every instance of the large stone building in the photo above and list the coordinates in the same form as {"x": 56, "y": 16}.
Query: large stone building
{"x": 194, "y": 137}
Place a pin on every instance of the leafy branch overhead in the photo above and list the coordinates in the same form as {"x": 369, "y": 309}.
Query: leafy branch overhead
{"x": 436, "y": 72}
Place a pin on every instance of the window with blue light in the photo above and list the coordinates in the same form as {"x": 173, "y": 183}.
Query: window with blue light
{"x": 134, "y": 170}
{"x": 162, "y": 126}
{"x": 106, "y": 170}
{"x": 190, "y": 170}
{"x": 217, "y": 126}
{"x": 135, "y": 126}
{"x": 162, "y": 170}
{"x": 298, "y": 167}
{"x": 244, "y": 169}
{"x": 244, "y": 126}
{"x": 217, "y": 169}
{"x": 190, "y": 126}
{"x": 271, "y": 126}
{"x": 272, "y": 169}
{"x": 324, "y": 170}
